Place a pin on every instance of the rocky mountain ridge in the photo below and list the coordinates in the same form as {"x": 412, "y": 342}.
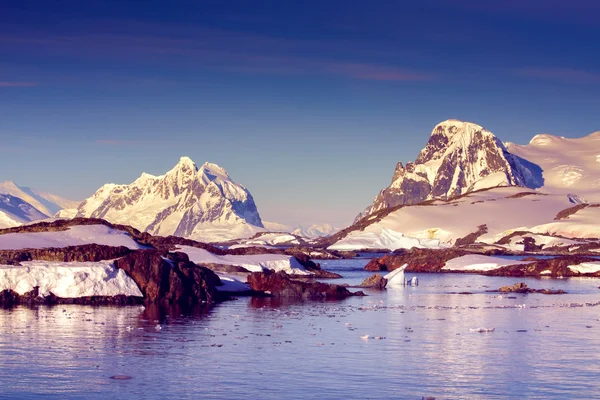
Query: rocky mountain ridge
{"x": 459, "y": 157}
{"x": 188, "y": 201}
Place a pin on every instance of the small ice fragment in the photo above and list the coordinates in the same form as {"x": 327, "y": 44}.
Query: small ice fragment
{"x": 482, "y": 330}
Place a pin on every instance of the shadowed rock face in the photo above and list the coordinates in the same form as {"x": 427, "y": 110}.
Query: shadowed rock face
{"x": 375, "y": 281}
{"x": 279, "y": 284}
{"x": 9, "y": 298}
{"x": 83, "y": 253}
{"x": 433, "y": 260}
{"x": 170, "y": 280}
{"x": 418, "y": 260}
{"x": 456, "y": 159}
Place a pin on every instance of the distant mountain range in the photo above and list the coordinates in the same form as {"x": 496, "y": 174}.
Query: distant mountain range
{"x": 48, "y": 204}
{"x": 19, "y": 204}
{"x": 205, "y": 204}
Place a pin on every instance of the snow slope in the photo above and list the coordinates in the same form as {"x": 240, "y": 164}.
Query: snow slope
{"x": 585, "y": 268}
{"x": 198, "y": 203}
{"x": 253, "y": 263}
{"x": 569, "y": 165}
{"x": 315, "y": 231}
{"x": 15, "y": 211}
{"x": 74, "y": 236}
{"x": 443, "y": 222}
{"x": 48, "y": 204}
{"x": 271, "y": 239}
{"x": 476, "y": 262}
{"x": 68, "y": 279}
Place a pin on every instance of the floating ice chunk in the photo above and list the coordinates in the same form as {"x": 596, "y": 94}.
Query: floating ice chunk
{"x": 414, "y": 281}
{"x": 396, "y": 277}
{"x": 482, "y": 330}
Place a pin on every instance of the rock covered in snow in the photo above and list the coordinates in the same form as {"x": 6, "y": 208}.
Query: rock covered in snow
{"x": 200, "y": 203}
{"x": 68, "y": 279}
{"x": 459, "y": 157}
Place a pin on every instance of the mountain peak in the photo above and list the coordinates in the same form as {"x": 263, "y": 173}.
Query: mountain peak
{"x": 214, "y": 171}
{"x": 200, "y": 203}
{"x": 459, "y": 157}
{"x": 187, "y": 162}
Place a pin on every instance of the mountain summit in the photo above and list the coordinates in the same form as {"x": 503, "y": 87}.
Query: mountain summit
{"x": 459, "y": 157}
{"x": 200, "y": 203}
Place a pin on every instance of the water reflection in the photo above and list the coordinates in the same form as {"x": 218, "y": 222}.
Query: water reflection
{"x": 273, "y": 349}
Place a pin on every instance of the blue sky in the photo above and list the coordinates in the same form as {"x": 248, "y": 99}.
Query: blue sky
{"x": 309, "y": 104}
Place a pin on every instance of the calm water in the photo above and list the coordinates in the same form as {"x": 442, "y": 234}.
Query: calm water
{"x": 542, "y": 346}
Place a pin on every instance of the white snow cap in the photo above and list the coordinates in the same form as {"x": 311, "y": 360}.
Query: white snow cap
{"x": 459, "y": 124}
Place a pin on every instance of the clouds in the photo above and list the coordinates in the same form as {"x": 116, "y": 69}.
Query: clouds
{"x": 176, "y": 47}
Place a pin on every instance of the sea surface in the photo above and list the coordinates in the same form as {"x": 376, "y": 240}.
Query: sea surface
{"x": 405, "y": 343}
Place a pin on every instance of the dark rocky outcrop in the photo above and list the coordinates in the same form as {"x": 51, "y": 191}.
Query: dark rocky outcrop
{"x": 83, "y": 253}
{"x": 375, "y": 281}
{"x": 173, "y": 279}
{"x": 471, "y": 237}
{"x": 280, "y": 284}
{"x": 566, "y": 213}
{"x": 418, "y": 260}
{"x": 430, "y": 260}
{"x": 10, "y": 298}
{"x": 529, "y": 245}
{"x": 558, "y": 267}
{"x": 522, "y": 288}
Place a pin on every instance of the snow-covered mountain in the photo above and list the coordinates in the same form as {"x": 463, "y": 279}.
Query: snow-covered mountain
{"x": 459, "y": 157}
{"x": 48, "y": 204}
{"x": 15, "y": 211}
{"x": 569, "y": 165}
{"x": 199, "y": 203}
{"x": 488, "y": 215}
{"x": 314, "y": 231}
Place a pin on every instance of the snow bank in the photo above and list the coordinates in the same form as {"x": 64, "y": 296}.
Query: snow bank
{"x": 383, "y": 239}
{"x": 503, "y": 210}
{"x": 273, "y": 239}
{"x": 253, "y": 263}
{"x": 74, "y": 236}
{"x": 585, "y": 268}
{"x": 232, "y": 283}
{"x": 476, "y": 262}
{"x": 68, "y": 279}
{"x": 245, "y": 246}
{"x": 547, "y": 241}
